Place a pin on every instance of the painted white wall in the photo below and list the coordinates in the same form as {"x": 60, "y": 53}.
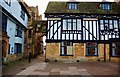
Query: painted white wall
{"x": 15, "y": 10}
{"x": 11, "y": 33}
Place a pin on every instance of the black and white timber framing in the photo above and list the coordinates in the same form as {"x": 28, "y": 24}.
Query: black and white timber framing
{"x": 83, "y": 27}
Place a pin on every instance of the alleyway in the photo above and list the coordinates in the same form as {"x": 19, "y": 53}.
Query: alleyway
{"x": 37, "y": 68}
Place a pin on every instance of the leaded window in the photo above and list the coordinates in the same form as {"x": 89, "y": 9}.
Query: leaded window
{"x": 115, "y": 50}
{"x": 71, "y": 29}
{"x": 91, "y": 49}
{"x": 72, "y": 6}
{"x": 66, "y": 48}
{"x": 18, "y": 31}
{"x": 109, "y": 29}
{"x": 106, "y": 6}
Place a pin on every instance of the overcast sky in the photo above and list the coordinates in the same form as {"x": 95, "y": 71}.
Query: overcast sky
{"x": 42, "y": 4}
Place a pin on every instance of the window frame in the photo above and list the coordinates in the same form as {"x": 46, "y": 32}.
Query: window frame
{"x": 117, "y": 52}
{"x": 89, "y": 47}
{"x": 4, "y": 23}
{"x": 18, "y": 31}
{"x": 18, "y": 48}
{"x": 72, "y": 6}
{"x": 66, "y": 43}
{"x": 22, "y": 15}
{"x": 106, "y": 6}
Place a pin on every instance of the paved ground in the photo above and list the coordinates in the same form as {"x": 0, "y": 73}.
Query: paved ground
{"x": 18, "y": 66}
{"x": 69, "y": 69}
{"x": 38, "y": 68}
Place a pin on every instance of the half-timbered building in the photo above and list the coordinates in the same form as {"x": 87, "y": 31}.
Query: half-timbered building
{"x": 82, "y": 31}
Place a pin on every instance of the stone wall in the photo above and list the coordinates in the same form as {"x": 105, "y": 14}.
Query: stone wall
{"x": 79, "y": 53}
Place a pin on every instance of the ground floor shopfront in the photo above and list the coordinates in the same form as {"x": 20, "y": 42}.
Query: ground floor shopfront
{"x": 89, "y": 51}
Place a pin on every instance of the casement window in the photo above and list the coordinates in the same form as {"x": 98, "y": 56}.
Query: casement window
{"x": 22, "y": 14}
{"x": 18, "y": 31}
{"x": 105, "y": 6}
{"x": 91, "y": 49}
{"x": 109, "y": 29}
{"x": 8, "y": 2}
{"x": 4, "y": 23}
{"x": 18, "y": 48}
{"x": 72, "y": 6}
{"x": 71, "y": 29}
{"x": 66, "y": 48}
{"x": 115, "y": 50}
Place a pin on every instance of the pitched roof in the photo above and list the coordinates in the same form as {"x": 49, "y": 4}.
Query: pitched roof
{"x": 83, "y": 7}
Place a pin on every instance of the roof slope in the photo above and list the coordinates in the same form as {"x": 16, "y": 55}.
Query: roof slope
{"x": 83, "y": 7}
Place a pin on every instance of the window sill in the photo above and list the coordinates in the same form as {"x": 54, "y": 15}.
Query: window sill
{"x": 66, "y": 55}
{"x": 18, "y": 36}
{"x": 91, "y": 55}
{"x": 114, "y": 56}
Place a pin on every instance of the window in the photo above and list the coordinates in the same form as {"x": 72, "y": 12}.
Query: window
{"x": 72, "y": 24}
{"x": 71, "y": 29}
{"x": 22, "y": 14}
{"x": 4, "y": 23}
{"x": 91, "y": 49}
{"x": 106, "y": 6}
{"x": 18, "y": 31}
{"x": 115, "y": 49}
{"x": 18, "y": 48}
{"x": 8, "y": 2}
{"x": 72, "y": 6}
{"x": 66, "y": 48}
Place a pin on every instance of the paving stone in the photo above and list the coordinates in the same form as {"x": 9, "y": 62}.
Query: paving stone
{"x": 73, "y": 71}
{"x": 54, "y": 73}
{"x": 64, "y": 73}
{"x": 84, "y": 73}
{"x": 55, "y": 70}
{"x": 82, "y": 70}
{"x": 39, "y": 73}
{"x": 29, "y": 69}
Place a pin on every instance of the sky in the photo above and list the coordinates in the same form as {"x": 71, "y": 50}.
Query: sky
{"x": 42, "y": 4}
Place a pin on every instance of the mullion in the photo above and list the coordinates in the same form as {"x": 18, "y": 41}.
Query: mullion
{"x": 108, "y": 29}
{"x": 81, "y": 29}
{"x": 53, "y": 29}
{"x": 70, "y": 27}
{"x": 118, "y": 20}
{"x": 89, "y": 30}
{"x": 96, "y": 29}
{"x": 85, "y": 30}
{"x": 92, "y": 31}
{"x": 49, "y": 28}
{"x": 57, "y": 30}
{"x": 76, "y": 31}
{"x": 113, "y": 28}
{"x": 104, "y": 29}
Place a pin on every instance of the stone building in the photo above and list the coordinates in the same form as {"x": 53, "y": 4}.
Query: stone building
{"x": 83, "y": 31}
